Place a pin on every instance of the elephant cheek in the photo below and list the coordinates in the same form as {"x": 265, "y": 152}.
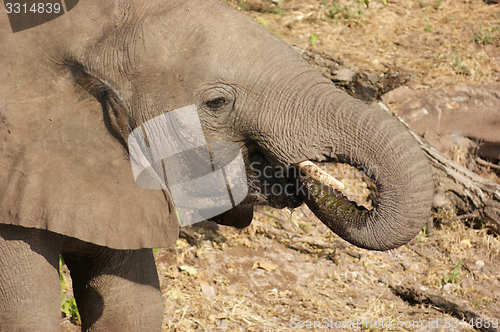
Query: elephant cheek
{"x": 239, "y": 217}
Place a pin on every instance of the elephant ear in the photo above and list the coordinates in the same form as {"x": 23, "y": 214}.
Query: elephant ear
{"x": 62, "y": 170}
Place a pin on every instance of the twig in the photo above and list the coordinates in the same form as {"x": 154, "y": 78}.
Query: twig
{"x": 273, "y": 216}
{"x": 282, "y": 222}
{"x": 314, "y": 242}
{"x": 466, "y": 191}
{"x": 485, "y": 163}
{"x": 271, "y": 230}
{"x": 303, "y": 249}
{"x": 459, "y": 311}
{"x": 462, "y": 217}
{"x": 418, "y": 252}
{"x": 191, "y": 237}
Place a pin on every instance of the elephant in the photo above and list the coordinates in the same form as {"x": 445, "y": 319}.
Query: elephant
{"x": 74, "y": 89}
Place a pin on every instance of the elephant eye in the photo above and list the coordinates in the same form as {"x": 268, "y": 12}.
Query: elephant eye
{"x": 217, "y": 103}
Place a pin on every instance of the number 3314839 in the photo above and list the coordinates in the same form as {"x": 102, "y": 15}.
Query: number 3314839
{"x": 36, "y": 8}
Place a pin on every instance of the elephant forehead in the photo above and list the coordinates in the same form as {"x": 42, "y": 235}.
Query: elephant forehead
{"x": 212, "y": 41}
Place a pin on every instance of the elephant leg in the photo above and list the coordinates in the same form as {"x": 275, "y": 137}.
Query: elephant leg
{"x": 30, "y": 290}
{"x": 115, "y": 290}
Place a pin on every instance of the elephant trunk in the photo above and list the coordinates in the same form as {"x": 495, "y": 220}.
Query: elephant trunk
{"x": 349, "y": 131}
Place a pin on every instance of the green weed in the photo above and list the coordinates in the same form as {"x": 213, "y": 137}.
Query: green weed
{"x": 487, "y": 36}
{"x": 459, "y": 67}
{"x": 313, "y": 38}
{"x": 262, "y": 21}
{"x": 268, "y": 6}
{"x": 68, "y": 305}
{"x": 422, "y": 235}
{"x": 277, "y": 9}
{"x": 346, "y": 13}
{"x": 452, "y": 276}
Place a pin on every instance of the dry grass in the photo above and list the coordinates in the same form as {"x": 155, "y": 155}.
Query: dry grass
{"x": 440, "y": 42}
{"x": 312, "y": 283}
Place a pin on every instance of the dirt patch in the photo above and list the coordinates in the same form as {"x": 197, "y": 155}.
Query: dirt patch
{"x": 440, "y": 42}
{"x": 461, "y": 121}
{"x": 471, "y": 111}
{"x": 303, "y": 282}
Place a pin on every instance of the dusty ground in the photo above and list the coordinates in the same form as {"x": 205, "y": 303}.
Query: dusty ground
{"x": 254, "y": 281}
{"x": 287, "y": 270}
{"x": 439, "y": 41}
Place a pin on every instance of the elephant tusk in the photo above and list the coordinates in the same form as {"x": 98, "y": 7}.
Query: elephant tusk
{"x": 309, "y": 168}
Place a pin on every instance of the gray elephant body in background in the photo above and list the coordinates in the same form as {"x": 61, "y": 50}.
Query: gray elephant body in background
{"x": 73, "y": 89}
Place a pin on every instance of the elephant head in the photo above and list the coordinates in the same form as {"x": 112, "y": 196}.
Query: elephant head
{"x": 74, "y": 89}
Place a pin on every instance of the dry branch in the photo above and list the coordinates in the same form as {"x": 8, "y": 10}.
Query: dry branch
{"x": 458, "y": 311}
{"x": 365, "y": 85}
{"x": 463, "y": 190}
{"x": 293, "y": 240}
{"x": 457, "y": 188}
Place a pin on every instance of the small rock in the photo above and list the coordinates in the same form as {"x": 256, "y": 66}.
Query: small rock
{"x": 418, "y": 114}
{"x": 175, "y": 294}
{"x": 221, "y": 324}
{"x": 448, "y": 287}
{"x": 440, "y": 200}
{"x": 479, "y": 264}
{"x": 415, "y": 105}
{"x": 344, "y": 75}
{"x": 180, "y": 257}
{"x": 191, "y": 270}
{"x": 466, "y": 243}
{"x": 207, "y": 290}
{"x": 230, "y": 266}
{"x": 415, "y": 267}
{"x": 399, "y": 95}
{"x": 459, "y": 99}
{"x": 264, "y": 265}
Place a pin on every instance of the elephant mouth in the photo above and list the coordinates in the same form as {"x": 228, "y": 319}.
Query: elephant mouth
{"x": 289, "y": 187}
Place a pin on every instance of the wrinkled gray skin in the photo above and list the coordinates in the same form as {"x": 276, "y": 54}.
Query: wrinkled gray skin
{"x": 73, "y": 89}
